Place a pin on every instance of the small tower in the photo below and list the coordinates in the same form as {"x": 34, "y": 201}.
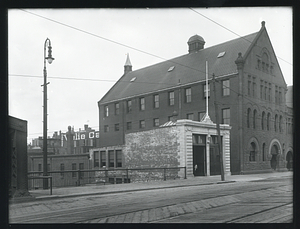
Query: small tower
{"x": 196, "y": 43}
{"x": 127, "y": 66}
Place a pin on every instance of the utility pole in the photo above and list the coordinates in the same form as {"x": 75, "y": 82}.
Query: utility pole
{"x": 218, "y": 130}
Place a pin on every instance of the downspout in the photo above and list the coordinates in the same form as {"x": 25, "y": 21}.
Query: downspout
{"x": 240, "y": 67}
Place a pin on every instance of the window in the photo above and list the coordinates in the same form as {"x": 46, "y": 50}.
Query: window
{"x": 254, "y": 89}
{"x": 225, "y": 86}
{"x": 248, "y": 117}
{"x": 129, "y": 106}
{"x": 129, "y": 125}
{"x": 48, "y": 167}
{"x": 106, "y": 128}
{"x": 276, "y": 94}
{"x": 270, "y": 92}
{"x": 263, "y": 116}
{"x": 280, "y": 124}
{"x": 266, "y": 90}
{"x": 81, "y": 167}
{"x": 111, "y": 158}
{"x": 62, "y": 168}
{"x": 188, "y": 95}
{"x": 73, "y": 168}
{"x": 261, "y": 89}
{"x": 254, "y": 119}
{"x": 117, "y": 108}
{"x": 264, "y": 151}
{"x": 102, "y": 158}
{"x": 206, "y": 92}
{"x": 249, "y": 85}
{"x": 117, "y": 127}
{"x": 142, "y": 124}
{"x": 258, "y": 64}
{"x": 171, "y": 98}
{"x": 252, "y": 152}
{"x": 275, "y": 122}
{"x": 119, "y": 158}
{"x": 40, "y": 168}
{"x": 96, "y": 158}
{"x": 106, "y": 111}
{"x": 142, "y": 104}
{"x": 279, "y": 97}
{"x": 156, "y": 122}
{"x": 268, "y": 121}
{"x": 190, "y": 116}
{"x": 201, "y": 115}
{"x": 226, "y": 116}
{"x": 156, "y": 101}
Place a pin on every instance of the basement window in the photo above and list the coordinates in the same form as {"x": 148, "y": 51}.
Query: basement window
{"x": 221, "y": 54}
{"x": 171, "y": 69}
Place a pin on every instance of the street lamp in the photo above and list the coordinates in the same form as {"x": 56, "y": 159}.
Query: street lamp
{"x": 49, "y": 58}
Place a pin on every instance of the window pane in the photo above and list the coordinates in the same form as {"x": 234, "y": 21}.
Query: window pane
{"x": 190, "y": 116}
{"x": 117, "y": 108}
{"x": 188, "y": 95}
{"x": 74, "y": 168}
{"x": 111, "y": 157}
{"x": 226, "y": 116}
{"x": 156, "y": 101}
{"x": 119, "y": 158}
{"x": 142, "y": 104}
{"x": 96, "y": 158}
{"x": 171, "y": 98}
{"x": 103, "y": 158}
{"x": 226, "y": 90}
{"x": 129, "y": 106}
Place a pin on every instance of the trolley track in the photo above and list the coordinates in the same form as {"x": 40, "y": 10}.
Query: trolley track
{"x": 136, "y": 206}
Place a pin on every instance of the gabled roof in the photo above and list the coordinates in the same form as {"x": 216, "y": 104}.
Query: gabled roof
{"x": 185, "y": 69}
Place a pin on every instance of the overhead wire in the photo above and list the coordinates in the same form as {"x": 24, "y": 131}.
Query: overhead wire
{"x": 101, "y": 37}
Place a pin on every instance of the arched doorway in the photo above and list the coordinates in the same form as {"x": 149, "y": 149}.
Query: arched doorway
{"x": 274, "y": 154}
{"x": 289, "y": 160}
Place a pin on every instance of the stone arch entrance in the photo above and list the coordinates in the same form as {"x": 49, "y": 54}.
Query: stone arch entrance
{"x": 289, "y": 160}
{"x": 275, "y": 151}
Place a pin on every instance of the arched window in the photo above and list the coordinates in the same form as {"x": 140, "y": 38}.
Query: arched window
{"x": 275, "y": 122}
{"x": 248, "y": 117}
{"x": 254, "y": 119}
{"x": 252, "y": 152}
{"x": 280, "y": 124}
{"x": 265, "y": 62}
{"x": 264, "y": 151}
{"x": 268, "y": 121}
{"x": 263, "y": 116}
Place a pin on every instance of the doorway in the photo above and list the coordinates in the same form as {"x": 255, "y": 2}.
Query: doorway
{"x": 215, "y": 165}
{"x": 199, "y": 164}
{"x": 289, "y": 160}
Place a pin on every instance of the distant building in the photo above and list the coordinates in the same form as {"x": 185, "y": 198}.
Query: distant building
{"x": 66, "y": 151}
{"x": 250, "y": 92}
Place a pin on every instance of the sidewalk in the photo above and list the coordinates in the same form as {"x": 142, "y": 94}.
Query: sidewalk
{"x": 93, "y": 189}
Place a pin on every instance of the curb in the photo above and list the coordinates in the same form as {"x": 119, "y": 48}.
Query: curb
{"x": 109, "y": 192}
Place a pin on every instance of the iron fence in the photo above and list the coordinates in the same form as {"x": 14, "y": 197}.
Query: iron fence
{"x": 68, "y": 178}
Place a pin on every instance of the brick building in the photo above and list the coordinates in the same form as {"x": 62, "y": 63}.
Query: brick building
{"x": 66, "y": 151}
{"x": 250, "y": 92}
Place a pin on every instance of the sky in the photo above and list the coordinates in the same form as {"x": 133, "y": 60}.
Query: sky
{"x": 90, "y": 48}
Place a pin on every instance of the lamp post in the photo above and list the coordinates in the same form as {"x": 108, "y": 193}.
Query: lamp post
{"x": 49, "y": 58}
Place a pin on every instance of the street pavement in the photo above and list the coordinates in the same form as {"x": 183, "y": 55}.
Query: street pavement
{"x": 41, "y": 203}
{"x": 98, "y": 189}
